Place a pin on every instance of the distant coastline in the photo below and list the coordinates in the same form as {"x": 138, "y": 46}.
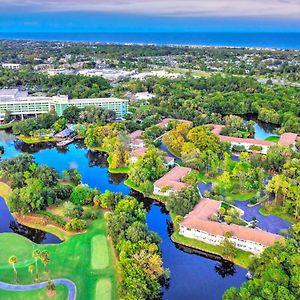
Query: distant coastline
{"x": 289, "y": 41}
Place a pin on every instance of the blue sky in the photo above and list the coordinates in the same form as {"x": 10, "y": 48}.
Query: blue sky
{"x": 149, "y": 15}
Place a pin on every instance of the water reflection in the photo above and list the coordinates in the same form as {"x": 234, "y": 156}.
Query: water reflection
{"x": 193, "y": 274}
{"x": 9, "y": 224}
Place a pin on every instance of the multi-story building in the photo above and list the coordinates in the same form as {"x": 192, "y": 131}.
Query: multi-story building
{"x": 198, "y": 225}
{"x": 286, "y": 139}
{"x": 171, "y": 182}
{"x": 21, "y": 104}
{"x": 11, "y": 66}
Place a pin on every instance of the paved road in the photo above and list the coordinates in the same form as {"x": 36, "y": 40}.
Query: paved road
{"x": 68, "y": 283}
{"x": 270, "y": 223}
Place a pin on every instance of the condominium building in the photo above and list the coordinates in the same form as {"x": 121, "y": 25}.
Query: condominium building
{"x": 171, "y": 182}
{"x": 198, "y": 225}
{"x": 11, "y": 66}
{"x": 286, "y": 139}
{"x": 21, "y": 104}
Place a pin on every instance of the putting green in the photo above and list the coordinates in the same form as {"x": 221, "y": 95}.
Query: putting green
{"x": 19, "y": 246}
{"x": 103, "y": 289}
{"x": 99, "y": 253}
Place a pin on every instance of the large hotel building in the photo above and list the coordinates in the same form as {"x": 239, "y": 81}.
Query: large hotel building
{"x": 20, "y": 104}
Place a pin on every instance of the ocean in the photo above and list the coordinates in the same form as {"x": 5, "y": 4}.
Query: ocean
{"x": 257, "y": 40}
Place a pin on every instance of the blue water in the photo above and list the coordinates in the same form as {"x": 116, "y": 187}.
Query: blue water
{"x": 193, "y": 276}
{"x": 241, "y": 39}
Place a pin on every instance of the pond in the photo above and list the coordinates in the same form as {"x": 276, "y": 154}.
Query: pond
{"x": 193, "y": 276}
{"x": 262, "y": 130}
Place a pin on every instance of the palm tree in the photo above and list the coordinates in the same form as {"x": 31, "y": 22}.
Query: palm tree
{"x": 30, "y": 270}
{"x": 44, "y": 257}
{"x": 12, "y": 261}
{"x": 36, "y": 255}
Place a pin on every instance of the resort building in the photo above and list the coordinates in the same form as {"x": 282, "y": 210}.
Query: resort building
{"x": 165, "y": 122}
{"x": 11, "y": 66}
{"x": 171, "y": 182}
{"x": 20, "y": 104}
{"x": 169, "y": 161}
{"x": 287, "y": 139}
{"x": 197, "y": 225}
{"x": 135, "y": 139}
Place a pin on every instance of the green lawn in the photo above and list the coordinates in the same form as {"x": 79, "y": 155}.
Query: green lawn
{"x": 234, "y": 195}
{"x": 35, "y": 140}
{"x": 124, "y": 169}
{"x": 242, "y": 259}
{"x": 71, "y": 259}
{"x": 6, "y": 126}
{"x": 40, "y": 294}
{"x": 272, "y": 138}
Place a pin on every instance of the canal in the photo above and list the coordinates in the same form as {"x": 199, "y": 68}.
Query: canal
{"x": 193, "y": 276}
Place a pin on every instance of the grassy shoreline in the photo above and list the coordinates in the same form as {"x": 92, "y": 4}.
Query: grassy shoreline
{"x": 120, "y": 170}
{"x": 242, "y": 259}
{"x": 36, "y": 140}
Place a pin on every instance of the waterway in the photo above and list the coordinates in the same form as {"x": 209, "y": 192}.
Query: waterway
{"x": 193, "y": 276}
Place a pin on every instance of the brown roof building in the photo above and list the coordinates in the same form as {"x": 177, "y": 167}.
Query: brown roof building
{"x": 165, "y": 122}
{"x": 197, "y": 225}
{"x": 172, "y": 180}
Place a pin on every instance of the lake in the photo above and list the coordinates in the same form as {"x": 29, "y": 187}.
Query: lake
{"x": 193, "y": 276}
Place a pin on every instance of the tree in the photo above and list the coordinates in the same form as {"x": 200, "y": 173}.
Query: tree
{"x": 80, "y": 195}
{"x": 280, "y": 187}
{"x": 59, "y": 125}
{"x": 150, "y": 168}
{"x": 228, "y": 249}
{"x": 36, "y": 255}
{"x": 47, "y": 175}
{"x": 30, "y": 270}
{"x": 182, "y": 202}
{"x": 13, "y": 261}
{"x": 275, "y": 272}
{"x": 51, "y": 289}
{"x": 76, "y": 225}
{"x": 73, "y": 176}
{"x": 203, "y": 139}
{"x": 45, "y": 259}
{"x": 71, "y": 114}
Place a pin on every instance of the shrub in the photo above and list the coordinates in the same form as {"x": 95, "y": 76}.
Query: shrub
{"x": 89, "y": 215}
{"x": 53, "y": 217}
{"x": 76, "y": 225}
{"x": 238, "y": 148}
{"x": 255, "y": 148}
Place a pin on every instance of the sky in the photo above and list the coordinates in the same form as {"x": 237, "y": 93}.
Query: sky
{"x": 149, "y": 15}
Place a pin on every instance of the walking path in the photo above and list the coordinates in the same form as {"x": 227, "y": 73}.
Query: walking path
{"x": 21, "y": 288}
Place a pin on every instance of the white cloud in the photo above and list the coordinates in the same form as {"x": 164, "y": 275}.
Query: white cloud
{"x": 224, "y": 8}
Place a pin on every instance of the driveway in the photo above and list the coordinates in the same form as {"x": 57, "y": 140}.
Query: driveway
{"x": 21, "y": 288}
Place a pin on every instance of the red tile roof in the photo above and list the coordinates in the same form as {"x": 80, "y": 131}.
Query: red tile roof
{"x": 288, "y": 138}
{"x": 232, "y": 139}
{"x": 216, "y": 129}
{"x": 140, "y": 152}
{"x": 136, "y": 134}
{"x": 166, "y": 121}
{"x": 172, "y": 178}
{"x": 198, "y": 218}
